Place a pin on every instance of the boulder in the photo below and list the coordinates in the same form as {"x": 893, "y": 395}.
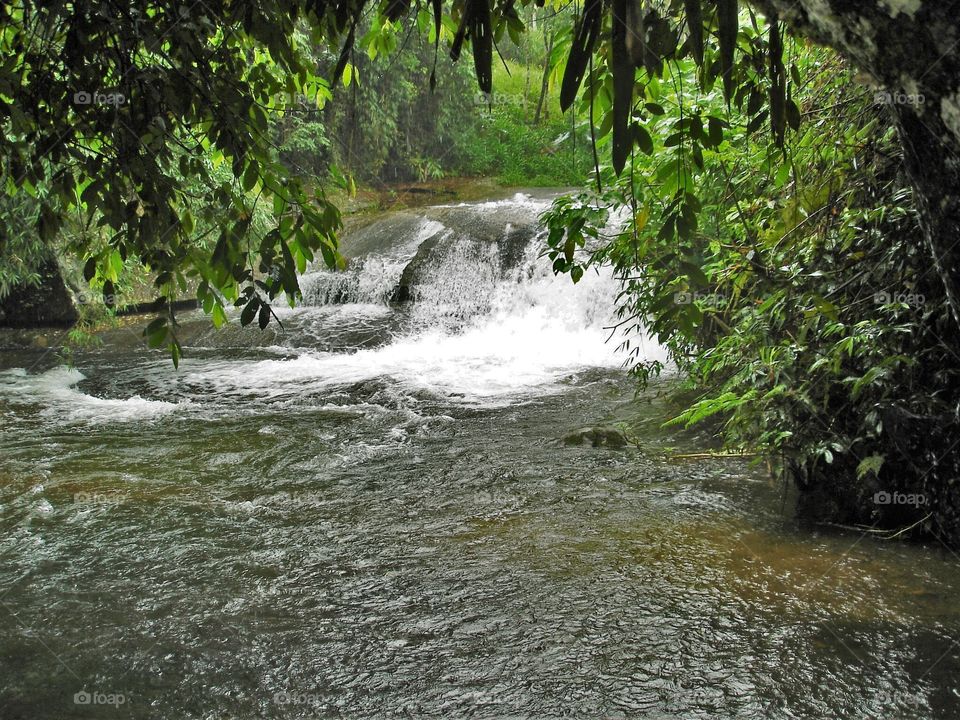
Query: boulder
{"x": 597, "y": 437}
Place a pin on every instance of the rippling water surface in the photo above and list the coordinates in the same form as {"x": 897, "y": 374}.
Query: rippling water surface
{"x": 371, "y": 514}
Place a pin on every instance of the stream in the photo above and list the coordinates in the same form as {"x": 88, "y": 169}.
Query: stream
{"x": 372, "y": 513}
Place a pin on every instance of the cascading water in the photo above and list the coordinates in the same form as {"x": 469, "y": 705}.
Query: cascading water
{"x": 483, "y": 314}
{"x": 374, "y": 512}
{"x": 452, "y": 300}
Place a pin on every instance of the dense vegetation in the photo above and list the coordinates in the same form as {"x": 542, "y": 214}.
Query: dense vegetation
{"x": 206, "y": 171}
{"x": 386, "y": 124}
{"x": 792, "y": 288}
{"x": 754, "y": 200}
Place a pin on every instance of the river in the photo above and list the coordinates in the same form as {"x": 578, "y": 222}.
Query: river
{"x": 371, "y": 514}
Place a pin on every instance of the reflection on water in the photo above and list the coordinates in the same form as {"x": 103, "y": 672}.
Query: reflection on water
{"x": 327, "y": 526}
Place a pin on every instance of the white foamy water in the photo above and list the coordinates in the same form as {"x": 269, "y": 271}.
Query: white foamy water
{"x": 536, "y": 329}
{"x": 488, "y": 323}
{"x": 369, "y": 279}
{"x": 56, "y": 390}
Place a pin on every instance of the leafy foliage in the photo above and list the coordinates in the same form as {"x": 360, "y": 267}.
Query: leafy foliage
{"x": 107, "y": 109}
{"x": 21, "y": 251}
{"x": 789, "y": 283}
{"x": 111, "y": 110}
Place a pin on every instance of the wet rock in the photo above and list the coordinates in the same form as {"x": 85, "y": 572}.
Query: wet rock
{"x": 597, "y": 437}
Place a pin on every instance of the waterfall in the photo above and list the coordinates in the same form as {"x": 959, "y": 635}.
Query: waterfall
{"x": 484, "y": 313}
{"x": 450, "y": 302}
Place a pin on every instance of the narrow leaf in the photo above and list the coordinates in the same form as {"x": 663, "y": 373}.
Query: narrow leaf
{"x": 585, "y": 36}
{"x": 695, "y": 28}
{"x": 623, "y": 79}
{"x": 728, "y": 26}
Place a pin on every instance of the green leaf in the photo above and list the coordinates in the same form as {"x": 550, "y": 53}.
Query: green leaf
{"x": 90, "y": 269}
{"x": 264, "y": 317}
{"x": 642, "y": 139}
{"x": 871, "y": 464}
{"x": 219, "y": 316}
{"x": 251, "y": 175}
{"x": 246, "y": 316}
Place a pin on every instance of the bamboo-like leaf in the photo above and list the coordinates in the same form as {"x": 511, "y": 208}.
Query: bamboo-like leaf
{"x": 623, "y": 79}
{"x": 778, "y": 84}
{"x": 636, "y": 32}
{"x": 695, "y": 28}
{"x": 584, "y": 39}
{"x": 728, "y": 25}
{"x": 345, "y": 53}
{"x": 437, "y": 18}
{"x": 457, "y": 46}
{"x": 481, "y": 36}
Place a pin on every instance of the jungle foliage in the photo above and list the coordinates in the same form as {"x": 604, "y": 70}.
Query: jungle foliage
{"x": 386, "y": 124}
{"x": 111, "y": 111}
{"x": 788, "y": 277}
{"x": 197, "y": 143}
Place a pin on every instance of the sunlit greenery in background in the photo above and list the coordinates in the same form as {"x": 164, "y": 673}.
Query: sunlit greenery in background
{"x": 22, "y": 251}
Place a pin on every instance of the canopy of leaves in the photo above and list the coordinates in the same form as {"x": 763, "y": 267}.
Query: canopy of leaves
{"x": 123, "y": 114}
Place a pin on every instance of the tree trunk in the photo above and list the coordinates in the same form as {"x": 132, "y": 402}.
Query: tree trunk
{"x": 545, "y": 82}
{"x": 47, "y": 304}
{"x": 912, "y": 50}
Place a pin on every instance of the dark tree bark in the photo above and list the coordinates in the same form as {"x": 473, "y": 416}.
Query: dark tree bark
{"x": 46, "y": 305}
{"x": 912, "y": 50}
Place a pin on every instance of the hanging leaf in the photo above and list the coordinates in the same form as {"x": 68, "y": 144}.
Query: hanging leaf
{"x": 778, "y": 84}
{"x": 695, "y": 29}
{"x": 345, "y": 53}
{"x": 636, "y": 32}
{"x": 757, "y": 122}
{"x": 642, "y": 138}
{"x": 457, "y": 47}
{"x": 715, "y": 128}
{"x": 585, "y": 37}
{"x": 727, "y": 28}
{"x": 622, "y": 85}
{"x": 246, "y": 317}
{"x": 263, "y": 317}
{"x": 793, "y": 115}
{"x": 481, "y": 36}
{"x": 437, "y": 19}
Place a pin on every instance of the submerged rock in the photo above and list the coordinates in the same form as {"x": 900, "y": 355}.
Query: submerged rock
{"x": 597, "y": 437}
